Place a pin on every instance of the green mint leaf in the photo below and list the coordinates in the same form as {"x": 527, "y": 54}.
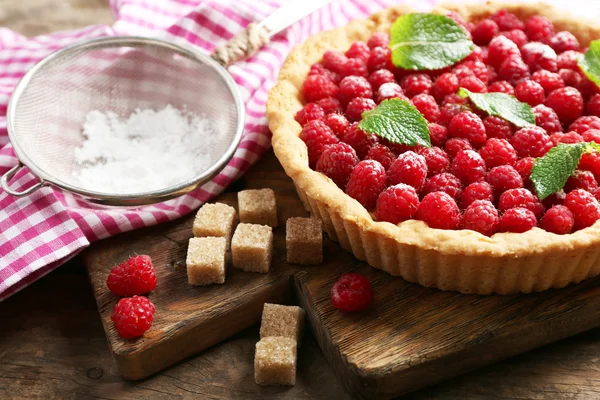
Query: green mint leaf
{"x": 590, "y": 62}
{"x": 428, "y": 41}
{"x": 550, "y": 172}
{"x": 397, "y": 121}
{"x": 502, "y": 105}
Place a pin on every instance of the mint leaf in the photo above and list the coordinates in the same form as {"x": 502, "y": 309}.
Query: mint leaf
{"x": 397, "y": 121}
{"x": 590, "y": 62}
{"x": 502, "y": 105}
{"x": 550, "y": 172}
{"x": 428, "y": 41}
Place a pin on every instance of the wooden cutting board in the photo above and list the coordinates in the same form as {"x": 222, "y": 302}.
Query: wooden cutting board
{"x": 410, "y": 338}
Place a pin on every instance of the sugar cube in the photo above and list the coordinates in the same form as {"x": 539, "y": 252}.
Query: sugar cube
{"x": 278, "y": 320}
{"x": 214, "y": 220}
{"x": 275, "y": 361}
{"x": 206, "y": 260}
{"x": 304, "y": 240}
{"x": 258, "y": 207}
{"x": 252, "y": 247}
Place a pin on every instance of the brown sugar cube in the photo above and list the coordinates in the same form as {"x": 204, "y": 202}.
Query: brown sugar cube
{"x": 304, "y": 240}
{"x": 206, "y": 260}
{"x": 258, "y": 207}
{"x": 214, "y": 220}
{"x": 275, "y": 361}
{"x": 278, "y": 320}
{"x": 252, "y": 247}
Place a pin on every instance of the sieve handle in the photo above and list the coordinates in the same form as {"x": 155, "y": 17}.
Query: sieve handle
{"x": 4, "y": 182}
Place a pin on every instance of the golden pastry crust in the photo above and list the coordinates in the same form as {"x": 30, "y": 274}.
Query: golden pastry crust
{"x": 460, "y": 260}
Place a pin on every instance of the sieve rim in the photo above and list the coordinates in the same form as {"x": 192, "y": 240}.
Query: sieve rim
{"x": 140, "y": 198}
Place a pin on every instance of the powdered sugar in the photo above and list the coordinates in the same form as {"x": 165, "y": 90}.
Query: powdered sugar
{"x": 147, "y": 151}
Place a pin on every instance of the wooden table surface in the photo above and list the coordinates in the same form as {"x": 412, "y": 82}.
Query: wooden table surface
{"x": 52, "y": 344}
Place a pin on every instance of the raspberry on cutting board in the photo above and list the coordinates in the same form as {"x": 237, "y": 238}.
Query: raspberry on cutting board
{"x": 133, "y": 316}
{"x": 134, "y": 276}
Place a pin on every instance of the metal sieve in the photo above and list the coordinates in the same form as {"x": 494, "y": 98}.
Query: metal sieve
{"x": 121, "y": 74}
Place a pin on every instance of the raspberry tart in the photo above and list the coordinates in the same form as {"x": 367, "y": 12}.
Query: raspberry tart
{"x": 475, "y": 169}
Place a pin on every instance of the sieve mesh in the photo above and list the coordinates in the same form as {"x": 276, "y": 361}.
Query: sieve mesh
{"x": 50, "y": 105}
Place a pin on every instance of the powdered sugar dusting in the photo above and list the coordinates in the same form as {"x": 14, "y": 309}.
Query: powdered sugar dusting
{"x": 147, "y": 151}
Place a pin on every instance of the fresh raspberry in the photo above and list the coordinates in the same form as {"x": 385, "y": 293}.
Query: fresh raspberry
{"x": 587, "y": 88}
{"x": 530, "y": 92}
{"x": 468, "y": 166}
{"x": 397, "y": 203}
{"x": 455, "y": 145}
{"x": 568, "y": 60}
{"x": 358, "y": 50}
{"x": 496, "y": 127}
{"x": 477, "y": 191}
{"x": 558, "y": 219}
{"x": 436, "y": 159}
{"x": 564, "y": 41}
{"x": 484, "y": 31}
{"x": 473, "y": 84}
{"x": 134, "y": 276}
{"x": 581, "y": 180}
{"x": 539, "y": 56}
{"x": 477, "y": 54}
{"x": 317, "y": 87}
{"x": 471, "y": 68}
{"x": 517, "y": 220}
{"x": 481, "y": 216}
{"x": 380, "y": 58}
{"x": 546, "y": 118}
{"x": 539, "y": 29}
{"x": 531, "y": 142}
{"x": 439, "y": 210}
{"x": 517, "y": 36}
{"x": 513, "y": 70}
{"x": 500, "y": 49}
{"x": 503, "y": 178}
{"x": 352, "y": 292}
{"x": 133, "y": 316}
{"x": 593, "y": 106}
{"x": 567, "y": 103}
{"x": 338, "y": 123}
{"x": 550, "y": 81}
{"x": 449, "y": 110}
{"x": 427, "y": 106}
{"x": 498, "y": 152}
{"x": 507, "y": 21}
{"x": 379, "y": 39}
{"x": 444, "y": 182}
{"x": 444, "y": 85}
{"x": 334, "y": 61}
{"x": 366, "y": 182}
{"x": 330, "y": 105}
{"x": 523, "y": 167}
{"x": 390, "y": 90}
{"x": 591, "y": 135}
{"x": 355, "y": 67}
{"x": 309, "y": 112}
{"x": 360, "y": 140}
{"x": 382, "y": 154}
{"x": 317, "y": 135}
{"x": 554, "y": 199}
{"x": 570, "y": 77}
{"x": 437, "y": 134}
{"x": 409, "y": 168}
{"x": 469, "y": 126}
{"x": 569, "y": 137}
{"x": 319, "y": 69}
{"x": 379, "y": 77}
{"x": 352, "y": 87}
{"x": 584, "y": 206}
{"x": 520, "y": 198}
{"x": 591, "y": 162}
{"x": 337, "y": 162}
{"x": 357, "y": 106}
{"x": 414, "y": 84}
{"x": 501, "y": 87}
{"x": 585, "y": 123}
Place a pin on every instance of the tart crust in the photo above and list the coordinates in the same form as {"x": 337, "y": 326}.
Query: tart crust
{"x": 459, "y": 260}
